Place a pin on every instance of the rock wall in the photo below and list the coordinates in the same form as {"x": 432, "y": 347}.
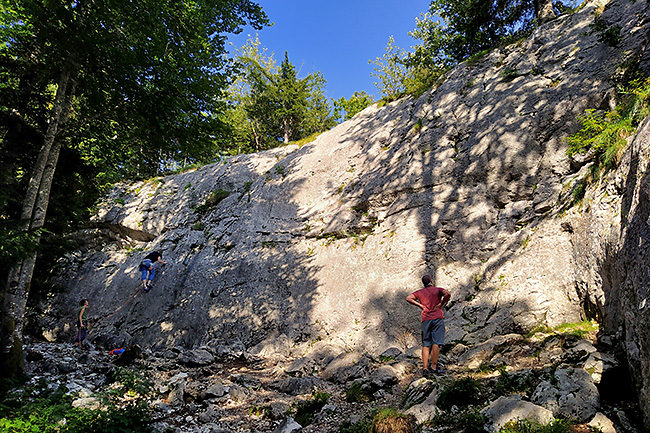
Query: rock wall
{"x": 612, "y": 232}
{"x": 324, "y": 241}
{"x": 631, "y": 271}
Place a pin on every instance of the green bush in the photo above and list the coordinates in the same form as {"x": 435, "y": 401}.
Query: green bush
{"x": 472, "y": 421}
{"x": 605, "y": 133}
{"x": 304, "y": 411}
{"x": 610, "y": 35}
{"x": 526, "y": 426}
{"x": 467, "y": 420}
{"x": 213, "y": 199}
{"x": 462, "y": 393}
{"x": 356, "y": 393}
{"x": 125, "y": 409}
{"x": 389, "y": 420}
{"x": 508, "y": 384}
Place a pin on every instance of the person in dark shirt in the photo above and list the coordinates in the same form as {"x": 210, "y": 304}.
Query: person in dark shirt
{"x": 431, "y": 300}
{"x": 148, "y": 270}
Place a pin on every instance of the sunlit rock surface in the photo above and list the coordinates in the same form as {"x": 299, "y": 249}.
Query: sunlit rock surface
{"x": 468, "y": 182}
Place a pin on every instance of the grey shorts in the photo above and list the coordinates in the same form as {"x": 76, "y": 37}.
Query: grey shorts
{"x": 433, "y": 332}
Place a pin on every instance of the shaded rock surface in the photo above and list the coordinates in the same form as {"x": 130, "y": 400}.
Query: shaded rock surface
{"x": 254, "y": 394}
{"x": 324, "y": 241}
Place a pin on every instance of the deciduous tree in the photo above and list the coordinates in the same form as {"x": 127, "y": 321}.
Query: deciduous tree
{"x": 127, "y": 84}
{"x": 347, "y": 108}
{"x": 272, "y": 104}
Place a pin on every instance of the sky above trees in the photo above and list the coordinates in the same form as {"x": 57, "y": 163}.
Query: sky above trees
{"x": 336, "y": 37}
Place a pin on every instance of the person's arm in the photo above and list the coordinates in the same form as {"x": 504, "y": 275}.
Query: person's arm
{"x": 446, "y": 296}
{"x": 443, "y": 300}
{"x": 411, "y": 299}
{"x": 161, "y": 260}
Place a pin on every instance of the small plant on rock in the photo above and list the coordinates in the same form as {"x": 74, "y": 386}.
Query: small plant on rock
{"x": 509, "y": 74}
{"x": 526, "y": 426}
{"x": 462, "y": 392}
{"x": 356, "y": 393}
{"x": 213, "y": 199}
{"x": 264, "y": 411}
{"x": 362, "y": 426}
{"x": 392, "y": 421}
{"x": 280, "y": 169}
{"x": 304, "y": 411}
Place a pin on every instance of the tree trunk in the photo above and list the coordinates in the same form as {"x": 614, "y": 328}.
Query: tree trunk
{"x": 256, "y": 137}
{"x": 287, "y": 130}
{"x": 544, "y": 10}
{"x": 33, "y": 216}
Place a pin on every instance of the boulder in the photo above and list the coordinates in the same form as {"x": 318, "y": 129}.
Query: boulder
{"x": 384, "y": 377}
{"x": 391, "y": 352}
{"x": 214, "y": 390}
{"x": 346, "y": 367}
{"x": 89, "y": 403}
{"x": 512, "y": 408}
{"x": 418, "y": 391}
{"x": 426, "y": 410}
{"x": 297, "y": 385}
{"x": 599, "y": 363}
{"x": 197, "y": 358}
{"x": 289, "y": 425}
{"x": 571, "y": 395}
{"x": 602, "y": 424}
{"x": 239, "y": 393}
{"x": 483, "y": 352}
{"x": 210, "y": 415}
{"x": 579, "y": 352}
{"x": 301, "y": 367}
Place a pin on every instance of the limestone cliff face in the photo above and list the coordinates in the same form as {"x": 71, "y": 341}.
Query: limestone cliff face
{"x": 611, "y": 249}
{"x": 467, "y": 183}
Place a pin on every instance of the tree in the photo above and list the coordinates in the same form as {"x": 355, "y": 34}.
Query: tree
{"x": 472, "y": 26}
{"x": 451, "y": 32}
{"x": 349, "y": 107}
{"x": 391, "y": 70}
{"x": 403, "y": 72}
{"x": 124, "y": 84}
{"x": 289, "y": 94}
{"x": 475, "y": 25}
{"x": 271, "y": 105}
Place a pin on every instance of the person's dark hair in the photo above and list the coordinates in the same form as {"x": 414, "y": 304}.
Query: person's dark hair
{"x": 83, "y": 302}
{"x": 427, "y": 280}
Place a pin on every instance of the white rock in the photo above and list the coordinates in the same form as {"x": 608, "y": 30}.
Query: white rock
{"x": 602, "y": 424}
{"x": 511, "y": 408}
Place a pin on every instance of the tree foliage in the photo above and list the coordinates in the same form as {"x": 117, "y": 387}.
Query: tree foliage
{"x": 347, "y": 108}
{"x": 472, "y": 26}
{"x": 451, "y": 32}
{"x": 272, "y": 105}
{"x": 391, "y": 71}
{"x": 412, "y": 72}
{"x": 114, "y": 89}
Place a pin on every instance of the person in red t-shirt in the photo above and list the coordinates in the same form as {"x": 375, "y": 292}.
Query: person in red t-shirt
{"x": 431, "y": 300}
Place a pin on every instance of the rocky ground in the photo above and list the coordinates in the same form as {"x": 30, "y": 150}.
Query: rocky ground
{"x": 227, "y": 389}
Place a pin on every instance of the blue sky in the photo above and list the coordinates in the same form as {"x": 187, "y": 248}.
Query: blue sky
{"x": 336, "y": 37}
